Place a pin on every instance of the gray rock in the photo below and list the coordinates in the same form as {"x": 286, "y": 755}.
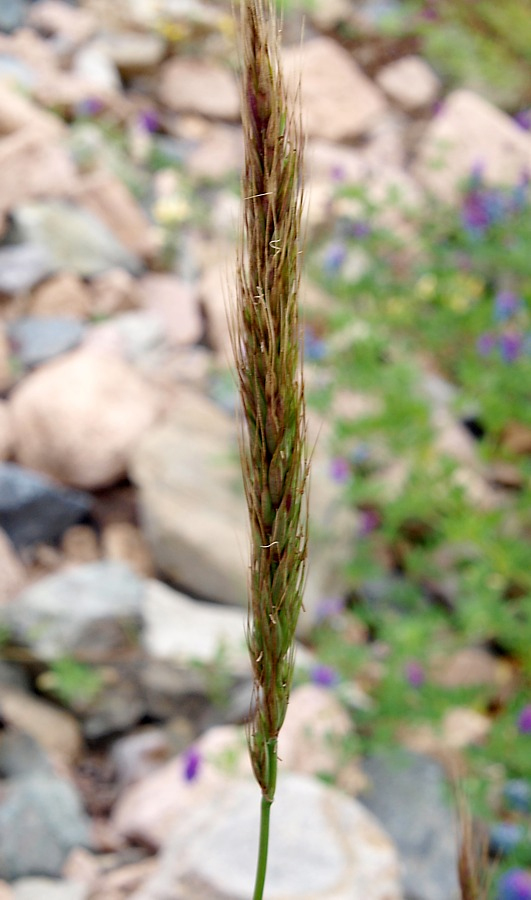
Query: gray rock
{"x": 323, "y": 845}
{"x": 36, "y": 339}
{"x": 408, "y": 797}
{"x": 13, "y": 676}
{"x": 75, "y": 240}
{"x": 49, "y": 889}
{"x": 35, "y": 509}
{"x": 91, "y": 612}
{"x": 12, "y": 14}
{"x": 42, "y": 815}
{"x": 21, "y": 754}
{"x": 22, "y": 266}
{"x": 115, "y": 710}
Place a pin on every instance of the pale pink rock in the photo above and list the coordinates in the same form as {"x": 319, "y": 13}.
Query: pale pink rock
{"x": 67, "y": 22}
{"x": 16, "y": 112}
{"x": 79, "y": 545}
{"x": 339, "y": 102}
{"x": 5, "y": 891}
{"x": 107, "y": 197}
{"x": 13, "y": 577}
{"x": 410, "y": 82}
{"x": 217, "y": 290}
{"x": 114, "y": 292}
{"x": 469, "y": 132}
{"x": 62, "y": 295}
{"x": 53, "y": 728}
{"x": 32, "y": 166}
{"x": 471, "y": 667}
{"x": 79, "y": 417}
{"x": 313, "y": 732}
{"x": 6, "y": 369}
{"x": 192, "y": 85}
{"x": 219, "y": 153}
{"x": 124, "y": 542}
{"x": 174, "y": 302}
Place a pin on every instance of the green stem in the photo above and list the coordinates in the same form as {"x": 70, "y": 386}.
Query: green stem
{"x": 265, "y": 813}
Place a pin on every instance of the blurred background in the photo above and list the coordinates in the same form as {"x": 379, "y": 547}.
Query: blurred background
{"x": 124, "y": 680}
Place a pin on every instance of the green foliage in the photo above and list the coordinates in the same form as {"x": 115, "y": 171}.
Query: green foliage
{"x": 72, "y": 682}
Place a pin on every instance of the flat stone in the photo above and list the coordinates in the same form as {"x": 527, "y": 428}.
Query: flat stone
{"x": 63, "y": 295}
{"x": 104, "y": 619}
{"x": 114, "y": 292}
{"x": 192, "y": 85}
{"x": 79, "y": 417}
{"x": 36, "y": 340}
{"x": 12, "y": 14}
{"x": 70, "y": 24}
{"x": 182, "y": 630}
{"x": 32, "y": 167}
{"x": 218, "y": 155}
{"x": 34, "y": 509}
{"x": 468, "y": 132}
{"x": 410, "y": 82}
{"x": 408, "y": 796}
{"x": 21, "y": 754}
{"x": 22, "y": 266}
{"x": 322, "y": 844}
{"x": 74, "y": 239}
{"x": 54, "y": 730}
{"x": 16, "y": 111}
{"x": 6, "y": 426}
{"x": 43, "y": 814}
{"x": 13, "y": 573}
{"x": 174, "y": 303}
{"x": 339, "y": 102}
{"x": 49, "y": 889}
{"x": 133, "y": 52}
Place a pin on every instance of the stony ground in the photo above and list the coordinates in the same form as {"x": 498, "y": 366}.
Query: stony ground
{"x": 123, "y": 538}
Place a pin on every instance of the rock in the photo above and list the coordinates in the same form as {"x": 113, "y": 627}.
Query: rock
{"x": 115, "y": 709}
{"x": 517, "y": 438}
{"x": 34, "y": 509}
{"x": 54, "y": 729}
{"x": 43, "y": 814}
{"x": 74, "y": 239}
{"x": 170, "y": 691}
{"x": 330, "y": 79}
{"x": 62, "y": 295}
{"x": 12, "y": 14}
{"x": 322, "y": 844}
{"x": 218, "y": 155}
{"x": 471, "y": 667}
{"x": 410, "y": 82}
{"x": 316, "y": 725}
{"x": 331, "y": 14}
{"x": 137, "y": 755}
{"x": 466, "y": 133}
{"x": 79, "y": 544}
{"x": 408, "y": 796}
{"x": 49, "y": 889}
{"x": 132, "y": 52}
{"x": 5, "y": 891}
{"x": 36, "y": 340}
{"x": 13, "y": 574}
{"x": 21, "y": 754}
{"x": 114, "y": 292}
{"x": 16, "y": 111}
{"x": 33, "y": 167}
{"x": 78, "y": 418}
{"x": 192, "y": 85}
{"x": 190, "y": 501}
{"x": 94, "y": 67}
{"x": 174, "y": 302}
{"x": 73, "y": 26}
{"x": 186, "y": 631}
{"x": 109, "y": 201}
{"x": 124, "y": 542}
{"x": 137, "y": 337}
{"x": 7, "y": 376}
{"x": 90, "y": 612}
{"x": 461, "y": 727}
{"x": 6, "y": 427}
{"x": 22, "y": 266}
{"x": 217, "y": 286}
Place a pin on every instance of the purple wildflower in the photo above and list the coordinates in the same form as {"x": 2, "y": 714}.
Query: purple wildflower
{"x": 524, "y": 720}
{"x": 191, "y": 763}
{"x": 325, "y": 676}
{"x": 360, "y": 229}
{"x": 369, "y": 521}
{"x": 414, "y": 673}
{"x": 314, "y": 346}
{"x": 340, "y": 469}
{"x": 334, "y": 257}
{"x": 506, "y": 304}
{"x": 91, "y": 106}
{"x": 338, "y": 174}
{"x": 515, "y": 884}
{"x": 523, "y": 119}
{"x": 481, "y": 209}
{"x": 486, "y": 343}
{"x": 148, "y": 121}
{"x": 511, "y": 346}
{"x": 329, "y": 607}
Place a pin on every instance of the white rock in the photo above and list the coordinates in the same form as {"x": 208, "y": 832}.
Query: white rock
{"x": 339, "y": 102}
{"x": 190, "y": 85}
{"x": 79, "y": 417}
{"x": 182, "y": 630}
{"x": 322, "y": 845}
{"x": 56, "y": 17}
{"x": 467, "y": 132}
{"x": 410, "y": 82}
{"x": 174, "y": 303}
{"x": 49, "y": 889}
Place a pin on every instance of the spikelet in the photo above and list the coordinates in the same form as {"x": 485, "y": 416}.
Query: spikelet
{"x": 266, "y": 343}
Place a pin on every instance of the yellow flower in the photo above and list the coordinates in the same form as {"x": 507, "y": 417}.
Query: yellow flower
{"x": 425, "y": 287}
{"x": 170, "y": 211}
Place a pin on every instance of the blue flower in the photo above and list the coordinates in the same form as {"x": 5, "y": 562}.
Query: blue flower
{"x": 515, "y": 884}
{"x": 506, "y": 304}
{"x": 334, "y": 257}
